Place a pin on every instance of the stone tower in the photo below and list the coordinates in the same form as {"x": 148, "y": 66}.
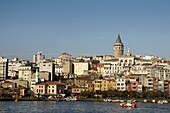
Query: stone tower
{"x": 118, "y": 47}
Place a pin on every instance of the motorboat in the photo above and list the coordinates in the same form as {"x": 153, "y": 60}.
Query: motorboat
{"x": 129, "y": 104}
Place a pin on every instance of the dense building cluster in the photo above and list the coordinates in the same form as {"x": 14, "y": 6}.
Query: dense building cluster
{"x": 66, "y": 75}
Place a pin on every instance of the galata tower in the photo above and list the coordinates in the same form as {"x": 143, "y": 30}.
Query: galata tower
{"x": 118, "y": 47}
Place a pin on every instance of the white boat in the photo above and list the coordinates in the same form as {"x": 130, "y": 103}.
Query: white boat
{"x": 144, "y": 100}
{"x": 71, "y": 98}
{"x": 160, "y": 102}
{"x": 153, "y": 101}
{"x": 165, "y": 101}
{"x": 107, "y": 100}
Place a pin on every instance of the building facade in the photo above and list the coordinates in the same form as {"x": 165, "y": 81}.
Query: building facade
{"x": 3, "y": 68}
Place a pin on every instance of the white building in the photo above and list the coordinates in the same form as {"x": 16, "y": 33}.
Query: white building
{"x": 49, "y": 67}
{"x": 3, "y": 68}
{"x": 25, "y": 73}
{"x": 38, "y": 58}
{"x": 121, "y": 83}
{"x": 80, "y": 67}
{"x": 118, "y": 66}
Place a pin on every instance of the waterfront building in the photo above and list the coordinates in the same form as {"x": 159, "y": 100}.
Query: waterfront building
{"x": 50, "y": 88}
{"x": 121, "y": 83}
{"x": 104, "y": 85}
{"x": 97, "y": 85}
{"x": 149, "y": 83}
{"x": 134, "y": 86}
{"x": 166, "y": 87}
{"x": 76, "y": 90}
{"x": 160, "y": 85}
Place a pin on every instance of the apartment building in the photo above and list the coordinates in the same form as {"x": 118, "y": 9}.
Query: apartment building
{"x": 3, "y": 68}
{"x": 25, "y": 73}
{"x": 81, "y": 68}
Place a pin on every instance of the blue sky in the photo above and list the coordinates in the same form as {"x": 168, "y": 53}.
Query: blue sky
{"x": 84, "y": 27}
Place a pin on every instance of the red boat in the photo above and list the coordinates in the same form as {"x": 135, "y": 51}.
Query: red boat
{"x": 129, "y": 104}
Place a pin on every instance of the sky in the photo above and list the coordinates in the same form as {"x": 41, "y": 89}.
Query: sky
{"x": 84, "y": 27}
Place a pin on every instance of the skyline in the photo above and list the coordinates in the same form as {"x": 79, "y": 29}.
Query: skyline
{"x": 84, "y": 27}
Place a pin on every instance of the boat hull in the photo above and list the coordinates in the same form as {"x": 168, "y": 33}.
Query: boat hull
{"x": 123, "y": 105}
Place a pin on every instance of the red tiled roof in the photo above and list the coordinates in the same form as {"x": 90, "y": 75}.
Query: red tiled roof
{"x": 50, "y": 83}
{"x": 137, "y": 75}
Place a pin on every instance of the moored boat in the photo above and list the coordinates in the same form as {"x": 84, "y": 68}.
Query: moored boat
{"x": 162, "y": 102}
{"x": 144, "y": 100}
{"x": 153, "y": 101}
{"x": 71, "y": 98}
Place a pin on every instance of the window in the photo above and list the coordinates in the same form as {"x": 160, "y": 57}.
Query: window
{"x": 49, "y": 90}
{"x": 149, "y": 83}
{"x": 53, "y": 91}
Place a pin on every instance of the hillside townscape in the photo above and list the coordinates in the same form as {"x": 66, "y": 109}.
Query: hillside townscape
{"x": 121, "y": 75}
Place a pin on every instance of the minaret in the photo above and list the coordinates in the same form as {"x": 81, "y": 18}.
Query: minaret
{"x": 129, "y": 52}
{"x": 37, "y": 75}
{"x": 118, "y": 47}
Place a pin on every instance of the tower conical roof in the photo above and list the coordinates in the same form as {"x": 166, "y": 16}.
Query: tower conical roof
{"x": 118, "y": 40}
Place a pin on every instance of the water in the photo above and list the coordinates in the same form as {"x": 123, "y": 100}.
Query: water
{"x": 78, "y": 107}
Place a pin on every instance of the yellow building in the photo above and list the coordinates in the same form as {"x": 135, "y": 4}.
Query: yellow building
{"x": 104, "y": 85}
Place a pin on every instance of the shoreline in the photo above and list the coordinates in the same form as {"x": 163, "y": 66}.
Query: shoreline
{"x": 82, "y": 99}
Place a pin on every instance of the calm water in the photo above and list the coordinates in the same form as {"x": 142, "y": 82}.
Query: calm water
{"x": 78, "y": 107}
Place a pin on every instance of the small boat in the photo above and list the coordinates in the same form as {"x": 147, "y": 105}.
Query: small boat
{"x": 153, "y": 101}
{"x": 160, "y": 102}
{"x": 71, "y": 98}
{"x": 129, "y": 104}
{"x": 107, "y": 100}
{"x": 144, "y": 100}
{"x": 165, "y": 101}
